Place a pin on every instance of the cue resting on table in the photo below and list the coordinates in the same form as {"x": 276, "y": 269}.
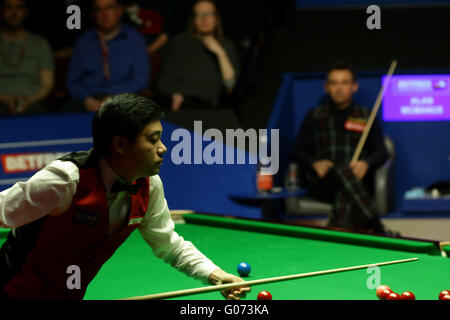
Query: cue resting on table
{"x": 187, "y": 292}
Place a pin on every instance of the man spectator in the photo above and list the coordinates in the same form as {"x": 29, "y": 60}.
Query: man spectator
{"x": 109, "y": 59}
{"x": 26, "y": 63}
{"x": 326, "y": 142}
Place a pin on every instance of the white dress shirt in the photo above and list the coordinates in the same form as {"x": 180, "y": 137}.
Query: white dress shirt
{"x": 51, "y": 190}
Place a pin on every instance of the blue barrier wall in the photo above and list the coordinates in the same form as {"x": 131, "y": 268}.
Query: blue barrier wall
{"x": 27, "y": 143}
{"x": 205, "y": 188}
{"x": 422, "y": 148}
{"x": 37, "y": 136}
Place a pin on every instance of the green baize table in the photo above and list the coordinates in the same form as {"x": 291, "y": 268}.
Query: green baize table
{"x": 275, "y": 250}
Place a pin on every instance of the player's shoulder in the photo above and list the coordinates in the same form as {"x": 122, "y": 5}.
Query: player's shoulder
{"x": 155, "y": 182}
{"x": 67, "y": 168}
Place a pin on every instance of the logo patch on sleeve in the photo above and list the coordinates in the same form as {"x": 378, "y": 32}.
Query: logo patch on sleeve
{"x": 135, "y": 221}
{"x": 86, "y": 218}
{"x": 355, "y": 124}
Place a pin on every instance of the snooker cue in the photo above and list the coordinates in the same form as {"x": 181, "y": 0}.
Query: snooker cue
{"x": 373, "y": 113}
{"x": 186, "y": 292}
{"x": 442, "y": 244}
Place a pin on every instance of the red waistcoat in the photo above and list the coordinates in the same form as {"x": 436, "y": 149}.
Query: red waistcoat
{"x": 78, "y": 237}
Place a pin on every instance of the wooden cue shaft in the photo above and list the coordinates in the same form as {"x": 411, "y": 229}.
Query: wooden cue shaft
{"x": 186, "y": 292}
{"x": 373, "y": 113}
{"x": 441, "y": 247}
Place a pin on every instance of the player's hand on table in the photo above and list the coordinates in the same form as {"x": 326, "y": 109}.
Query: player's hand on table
{"x": 221, "y": 277}
{"x": 2, "y": 225}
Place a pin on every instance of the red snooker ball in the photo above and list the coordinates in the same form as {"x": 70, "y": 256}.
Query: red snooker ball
{"x": 264, "y": 295}
{"x": 446, "y": 297}
{"x": 393, "y": 296}
{"x": 443, "y": 293}
{"x": 407, "y": 295}
{"x": 385, "y": 293}
{"x": 380, "y": 290}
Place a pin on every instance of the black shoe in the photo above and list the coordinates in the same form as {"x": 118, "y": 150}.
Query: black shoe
{"x": 390, "y": 233}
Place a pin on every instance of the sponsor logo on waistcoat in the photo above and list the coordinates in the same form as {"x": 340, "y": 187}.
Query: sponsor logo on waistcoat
{"x": 86, "y": 218}
{"x": 135, "y": 221}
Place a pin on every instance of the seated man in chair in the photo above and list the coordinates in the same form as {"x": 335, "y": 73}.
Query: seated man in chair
{"x": 325, "y": 145}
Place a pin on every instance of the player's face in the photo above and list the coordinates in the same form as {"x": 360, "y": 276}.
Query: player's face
{"x": 145, "y": 155}
{"x": 205, "y": 17}
{"x": 107, "y": 14}
{"x": 340, "y": 86}
{"x": 14, "y": 13}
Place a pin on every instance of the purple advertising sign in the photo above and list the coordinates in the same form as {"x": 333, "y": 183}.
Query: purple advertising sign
{"x": 417, "y": 98}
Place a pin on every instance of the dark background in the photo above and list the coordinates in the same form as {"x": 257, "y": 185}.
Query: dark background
{"x": 311, "y": 40}
{"x": 275, "y": 36}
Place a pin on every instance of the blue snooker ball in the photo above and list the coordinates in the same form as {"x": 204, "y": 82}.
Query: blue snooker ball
{"x": 243, "y": 269}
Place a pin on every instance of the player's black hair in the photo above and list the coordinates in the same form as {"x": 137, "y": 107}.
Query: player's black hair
{"x": 123, "y": 115}
{"x": 342, "y": 66}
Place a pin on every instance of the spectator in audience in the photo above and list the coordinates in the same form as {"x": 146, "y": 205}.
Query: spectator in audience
{"x": 326, "y": 142}
{"x": 26, "y": 63}
{"x": 199, "y": 64}
{"x": 107, "y": 60}
{"x": 153, "y": 20}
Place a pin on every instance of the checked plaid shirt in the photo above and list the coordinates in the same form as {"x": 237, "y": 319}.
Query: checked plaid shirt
{"x": 330, "y": 133}
{"x": 323, "y": 135}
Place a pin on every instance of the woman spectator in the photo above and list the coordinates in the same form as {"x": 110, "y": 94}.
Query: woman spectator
{"x": 200, "y": 64}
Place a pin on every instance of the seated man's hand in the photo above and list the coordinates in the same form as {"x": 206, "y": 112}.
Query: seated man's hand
{"x": 359, "y": 168}
{"x": 322, "y": 166}
{"x": 221, "y": 277}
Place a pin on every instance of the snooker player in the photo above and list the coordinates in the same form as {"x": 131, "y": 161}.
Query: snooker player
{"x": 79, "y": 209}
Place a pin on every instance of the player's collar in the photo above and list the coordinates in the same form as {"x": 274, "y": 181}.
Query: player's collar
{"x": 108, "y": 175}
